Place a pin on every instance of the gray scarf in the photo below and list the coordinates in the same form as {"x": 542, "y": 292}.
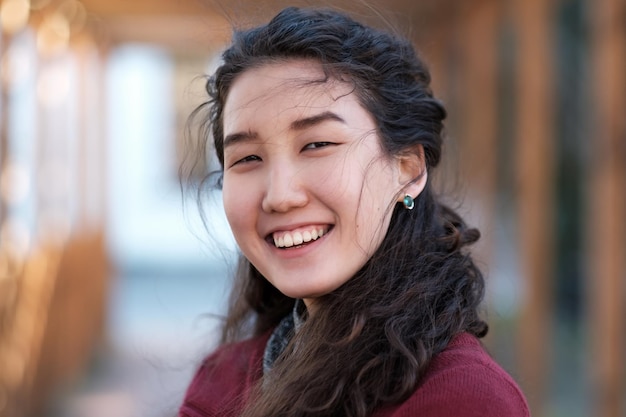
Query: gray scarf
{"x": 282, "y": 334}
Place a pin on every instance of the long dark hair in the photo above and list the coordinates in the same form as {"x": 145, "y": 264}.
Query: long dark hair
{"x": 370, "y": 340}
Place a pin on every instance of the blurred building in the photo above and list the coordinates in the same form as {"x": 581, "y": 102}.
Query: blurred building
{"x": 107, "y": 272}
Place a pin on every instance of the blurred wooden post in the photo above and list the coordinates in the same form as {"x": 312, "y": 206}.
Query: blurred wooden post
{"x": 536, "y": 196}
{"x": 606, "y": 211}
{"x": 478, "y": 97}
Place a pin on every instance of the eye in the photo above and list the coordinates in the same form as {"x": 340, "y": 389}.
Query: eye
{"x": 249, "y": 158}
{"x": 316, "y": 145}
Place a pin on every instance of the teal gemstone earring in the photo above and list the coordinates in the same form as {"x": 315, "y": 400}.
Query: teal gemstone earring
{"x": 408, "y": 201}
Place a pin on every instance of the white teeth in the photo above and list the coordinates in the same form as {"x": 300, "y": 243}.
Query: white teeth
{"x": 288, "y": 239}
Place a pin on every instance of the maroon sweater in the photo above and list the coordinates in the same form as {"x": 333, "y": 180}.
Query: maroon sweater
{"x": 461, "y": 381}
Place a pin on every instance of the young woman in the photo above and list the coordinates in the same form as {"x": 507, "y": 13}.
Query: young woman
{"x": 355, "y": 294}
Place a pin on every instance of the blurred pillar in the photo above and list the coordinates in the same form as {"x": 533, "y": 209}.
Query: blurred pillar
{"x": 91, "y": 188}
{"x": 606, "y": 211}
{"x": 435, "y": 42}
{"x": 434, "y": 45}
{"x": 478, "y": 37}
{"x": 535, "y": 162}
{"x": 85, "y": 120}
{"x": 4, "y": 115}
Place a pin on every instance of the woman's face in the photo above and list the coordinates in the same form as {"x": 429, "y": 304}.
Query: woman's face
{"x": 307, "y": 189}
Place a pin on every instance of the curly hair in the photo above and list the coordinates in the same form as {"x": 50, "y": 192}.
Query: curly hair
{"x": 370, "y": 340}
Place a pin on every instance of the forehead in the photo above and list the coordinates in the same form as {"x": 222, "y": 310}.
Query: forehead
{"x": 282, "y": 91}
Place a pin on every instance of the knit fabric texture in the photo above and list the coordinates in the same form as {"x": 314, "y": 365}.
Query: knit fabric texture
{"x": 461, "y": 381}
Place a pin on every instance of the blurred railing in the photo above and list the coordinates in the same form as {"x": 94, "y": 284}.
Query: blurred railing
{"x": 52, "y": 311}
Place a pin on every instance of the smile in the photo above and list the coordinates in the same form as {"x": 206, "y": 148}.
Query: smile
{"x": 299, "y": 236}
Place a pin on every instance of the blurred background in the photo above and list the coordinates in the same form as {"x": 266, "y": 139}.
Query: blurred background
{"x": 110, "y": 286}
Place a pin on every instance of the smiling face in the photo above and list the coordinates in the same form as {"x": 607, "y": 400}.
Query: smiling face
{"x": 307, "y": 189}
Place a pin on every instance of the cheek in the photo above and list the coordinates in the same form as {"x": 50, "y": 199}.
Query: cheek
{"x": 340, "y": 180}
{"x": 237, "y": 207}
{"x": 373, "y": 220}
{"x": 376, "y": 206}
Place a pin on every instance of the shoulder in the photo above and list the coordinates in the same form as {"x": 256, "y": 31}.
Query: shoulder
{"x": 464, "y": 381}
{"x": 224, "y": 379}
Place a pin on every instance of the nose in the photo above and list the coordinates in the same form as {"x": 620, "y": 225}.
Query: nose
{"x": 285, "y": 190}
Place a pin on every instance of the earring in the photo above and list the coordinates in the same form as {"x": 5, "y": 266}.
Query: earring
{"x": 408, "y": 202}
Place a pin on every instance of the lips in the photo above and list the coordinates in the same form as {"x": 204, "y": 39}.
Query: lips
{"x": 299, "y": 236}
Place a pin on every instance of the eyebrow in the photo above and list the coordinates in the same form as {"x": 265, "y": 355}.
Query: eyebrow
{"x": 239, "y": 137}
{"x": 308, "y": 122}
{"x": 300, "y": 124}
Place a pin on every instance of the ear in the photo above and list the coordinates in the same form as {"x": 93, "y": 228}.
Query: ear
{"x": 412, "y": 172}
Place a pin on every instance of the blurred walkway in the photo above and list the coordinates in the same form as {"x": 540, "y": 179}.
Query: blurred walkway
{"x": 160, "y": 326}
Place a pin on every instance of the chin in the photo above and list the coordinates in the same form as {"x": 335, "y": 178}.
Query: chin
{"x": 308, "y": 294}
